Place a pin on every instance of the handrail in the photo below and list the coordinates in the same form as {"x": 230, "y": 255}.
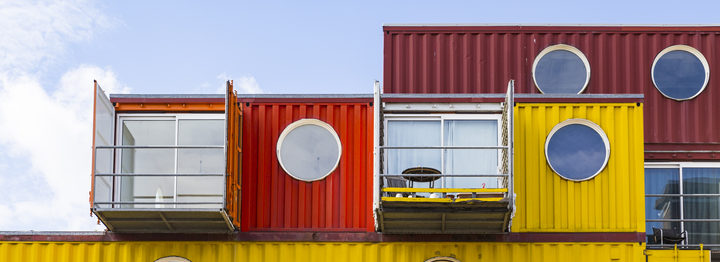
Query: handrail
{"x": 444, "y": 175}
{"x": 444, "y": 147}
{"x": 444, "y": 190}
{"x": 157, "y": 174}
{"x": 163, "y": 147}
{"x": 153, "y": 203}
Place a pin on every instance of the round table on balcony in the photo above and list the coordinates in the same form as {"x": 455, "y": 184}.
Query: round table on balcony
{"x": 429, "y": 171}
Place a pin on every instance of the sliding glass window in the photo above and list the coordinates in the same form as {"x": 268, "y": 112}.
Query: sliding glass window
{"x": 684, "y": 197}
{"x": 437, "y": 132}
{"x": 163, "y": 154}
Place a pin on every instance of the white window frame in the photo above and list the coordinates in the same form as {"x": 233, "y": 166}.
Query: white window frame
{"x": 593, "y": 126}
{"x": 302, "y": 122}
{"x": 564, "y": 47}
{"x": 690, "y": 50}
{"x": 679, "y": 166}
{"x": 441, "y": 118}
{"x": 155, "y": 117}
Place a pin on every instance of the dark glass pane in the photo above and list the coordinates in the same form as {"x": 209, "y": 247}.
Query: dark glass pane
{"x": 701, "y": 180}
{"x": 701, "y": 207}
{"x": 662, "y": 181}
{"x": 309, "y": 152}
{"x": 679, "y": 74}
{"x": 662, "y": 207}
{"x": 576, "y": 151}
{"x": 560, "y": 72}
{"x": 703, "y": 232}
{"x": 650, "y": 233}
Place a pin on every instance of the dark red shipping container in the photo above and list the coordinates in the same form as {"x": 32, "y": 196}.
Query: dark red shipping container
{"x": 272, "y": 200}
{"x": 481, "y": 59}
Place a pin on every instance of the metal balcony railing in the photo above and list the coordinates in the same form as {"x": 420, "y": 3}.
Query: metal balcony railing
{"x": 109, "y": 181}
{"x": 443, "y": 192}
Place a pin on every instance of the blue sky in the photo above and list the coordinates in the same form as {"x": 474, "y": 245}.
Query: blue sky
{"x": 307, "y": 46}
{"x": 51, "y": 50}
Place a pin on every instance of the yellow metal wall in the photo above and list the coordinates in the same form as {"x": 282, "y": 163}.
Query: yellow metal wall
{"x": 677, "y": 255}
{"x": 330, "y": 252}
{"x": 613, "y": 201}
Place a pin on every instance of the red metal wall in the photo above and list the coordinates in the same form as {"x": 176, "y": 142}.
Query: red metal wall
{"x": 274, "y": 201}
{"x": 481, "y": 59}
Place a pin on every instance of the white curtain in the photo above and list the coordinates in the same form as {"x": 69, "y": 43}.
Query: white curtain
{"x": 457, "y": 161}
{"x": 471, "y": 161}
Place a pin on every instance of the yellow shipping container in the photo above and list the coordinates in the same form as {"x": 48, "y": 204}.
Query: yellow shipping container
{"x": 331, "y": 251}
{"x": 613, "y": 201}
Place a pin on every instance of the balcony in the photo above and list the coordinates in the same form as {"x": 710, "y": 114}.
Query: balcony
{"x": 162, "y": 165}
{"x": 441, "y": 170}
{"x": 128, "y": 201}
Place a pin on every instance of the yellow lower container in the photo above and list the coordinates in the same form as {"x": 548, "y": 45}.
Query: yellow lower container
{"x": 337, "y": 251}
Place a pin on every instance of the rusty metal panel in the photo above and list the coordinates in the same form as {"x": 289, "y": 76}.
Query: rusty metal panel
{"x": 337, "y": 251}
{"x": 274, "y": 201}
{"x": 613, "y": 201}
{"x": 481, "y": 59}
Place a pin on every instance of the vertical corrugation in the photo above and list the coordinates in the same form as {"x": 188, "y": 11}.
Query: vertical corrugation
{"x": 274, "y": 201}
{"x": 610, "y": 202}
{"x": 339, "y": 251}
{"x": 482, "y": 59}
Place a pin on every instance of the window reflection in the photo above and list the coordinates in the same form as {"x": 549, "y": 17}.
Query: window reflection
{"x": 576, "y": 152}
{"x": 679, "y": 74}
{"x": 560, "y": 72}
{"x": 694, "y": 181}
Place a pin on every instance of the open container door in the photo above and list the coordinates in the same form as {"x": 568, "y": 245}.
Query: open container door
{"x": 135, "y": 213}
{"x": 103, "y": 135}
{"x": 233, "y": 153}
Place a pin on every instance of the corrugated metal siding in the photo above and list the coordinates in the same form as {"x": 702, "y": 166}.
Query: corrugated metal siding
{"x": 482, "y": 60}
{"x": 613, "y": 201}
{"x": 274, "y": 201}
{"x": 677, "y": 255}
{"x": 330, "y": 251}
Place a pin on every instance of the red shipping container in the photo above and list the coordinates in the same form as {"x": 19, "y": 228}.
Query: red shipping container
{"x": 481, "y": 59}
{"x": 272, "y": 200}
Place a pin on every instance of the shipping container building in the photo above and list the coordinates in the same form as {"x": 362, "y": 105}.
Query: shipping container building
{"x": 484, "y": 143}
{"x": 670, "y": 65}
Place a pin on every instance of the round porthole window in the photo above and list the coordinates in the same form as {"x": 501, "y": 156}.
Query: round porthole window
{"x": 561, "y": 69}
{"x": 309, "y": 149}
{"x": 577, "y": 149}
{"x": 442, "y": 259}
{"x": 680, "y": 72}
{"x": 172, "y": 259}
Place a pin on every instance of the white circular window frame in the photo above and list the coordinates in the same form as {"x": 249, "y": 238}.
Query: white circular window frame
{"x": 172, "y": 259}
{"x": 589, "y": 124}
{"x": 570, "y": 49}
{"x": 690, "y": 50}
{"x": 302, "y": 122}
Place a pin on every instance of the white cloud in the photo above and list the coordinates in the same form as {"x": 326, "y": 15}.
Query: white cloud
{"x": 46, "y": 132}
{"x": 53, "y": 131}
{"x": 244, "y": 85}
{"x": 37, "y": 31}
